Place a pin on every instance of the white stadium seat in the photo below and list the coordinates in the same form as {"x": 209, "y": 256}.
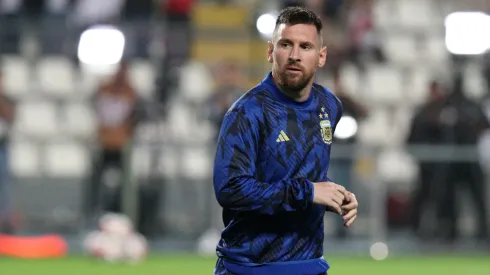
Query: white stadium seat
{"x": 349, "y": 77}
{"x": 56, "y": 76}
{"x": 384, "y": 13}
{"x": 375, "y": 129}
{"x": 25, "y": 160}
{"x": 384, "y": 85}
{"x": 16, "y": 76}
{"x": 401, "y": 49}
{"x": 167, "y": 165}
{"x": 142, "y": 75}
{"x": 415, "y": 14}
{"x": 79, "y": 119}
{"x": 396, "y": 166}
{"x": 419, "y": 85}
{"x": 435, "y": 50}
{"x": 195, "y": 82}
{"x": 140, "y": 161}
{"x": 196, "y": 163}
{"x": 38, "y": 119}
{"x": 475, "y": 86}
{"x": 66, "y": 159}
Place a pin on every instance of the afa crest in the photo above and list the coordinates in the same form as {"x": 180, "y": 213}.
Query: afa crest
{"x": 325, "y": 127}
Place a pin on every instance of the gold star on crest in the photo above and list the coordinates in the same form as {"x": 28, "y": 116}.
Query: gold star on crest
{"x": 321, "y": 116}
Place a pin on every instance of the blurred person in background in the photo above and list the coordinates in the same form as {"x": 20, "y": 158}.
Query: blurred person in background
{"x": 341, "y": 168}
{"x": 362, "y": 40}
{"x": 116, "y": 108}
{"x": 229, "y": 86}
{"x": 427, "y": 129}
{"x": 465, "y": 122}
{"x": 177, "y": 44}
{"x": 7, "y": 112}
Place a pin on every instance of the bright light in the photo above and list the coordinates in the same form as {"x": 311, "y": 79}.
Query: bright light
{"x": 467, "y": 33}
{"x": 101, "y": 46}
{"x": 266, "y": 24}
{"x": 379, "y": 251}
{"x": 346, "y": 128}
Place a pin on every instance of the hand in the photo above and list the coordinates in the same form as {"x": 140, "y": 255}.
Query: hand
{"x": 349, "y": 209}
{"x": 329, "y": 194}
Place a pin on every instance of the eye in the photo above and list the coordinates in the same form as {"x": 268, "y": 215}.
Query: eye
{"x": 306, "y": 47}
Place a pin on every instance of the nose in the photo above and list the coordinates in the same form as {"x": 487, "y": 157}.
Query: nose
{"x": 294, "y": 54}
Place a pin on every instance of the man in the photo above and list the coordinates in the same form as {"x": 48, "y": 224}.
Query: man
{"x": 116, "y": 107}
{"x": 7, "y": 115}
{"x": 428, "y": 129}
{"x": 270, "y": 173}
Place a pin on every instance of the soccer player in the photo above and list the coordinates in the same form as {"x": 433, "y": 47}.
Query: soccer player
{"x": 270, "y": 172}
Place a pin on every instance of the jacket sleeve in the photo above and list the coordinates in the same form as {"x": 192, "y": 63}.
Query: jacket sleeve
{"x": 235, "y": 181}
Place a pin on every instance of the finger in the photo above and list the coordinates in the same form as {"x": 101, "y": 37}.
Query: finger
{"x": 350, "y": 215}
{"x": 336, "y": 207}
{"x": 349, "y": 206}
{"x": 338, "y": 198}
{"x": 351, "y": 221}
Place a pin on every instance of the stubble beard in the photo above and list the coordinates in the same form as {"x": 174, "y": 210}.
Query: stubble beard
{"x": 294, "y": 84}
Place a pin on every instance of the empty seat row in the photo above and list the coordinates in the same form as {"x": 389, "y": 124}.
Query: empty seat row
{"x": 57, "y": 76}
{"x": 388, "y": 85}
{"x": 68, "y": 159}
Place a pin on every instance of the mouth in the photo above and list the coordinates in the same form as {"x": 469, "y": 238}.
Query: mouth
{"x": 293, "y": 69}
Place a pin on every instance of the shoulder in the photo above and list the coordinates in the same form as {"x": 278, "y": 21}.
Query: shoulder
{"x": 249, "y": 103}
{"x": 327, "y": 95}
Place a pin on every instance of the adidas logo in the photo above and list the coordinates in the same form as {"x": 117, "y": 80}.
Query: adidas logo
{"x": 282, "y": 137}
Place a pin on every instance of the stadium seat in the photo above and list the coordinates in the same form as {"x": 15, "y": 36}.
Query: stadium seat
{"x": 418, "y": 87}
{"x": 415, "y": 14}
{"x": 375, "y": 129}
{"x": 384, "y": 13}
{"x": 436, "y": 52}
{"x": 16, "y": 76}
{"x": 24, "y": 161}
{"x": 401, "y": 49}
{"x": 37, "y": 119}
{"x": 195, "y": 82}
{"x": 66, "y": 159}
{"x": 142, "y": 75}
{"x": 182, "y": 123}
{"x": 79, "y": 119}
{"x": 396, "y": 166}
{"x": 140, "y": 161}
{"x": 402, "y": 119}
{"x": 196, "y": 163}
{"x": 474, "y": 82}
{"x": 349, "y": 77}
{"x": 384, "y": 85}
{"x": 56, "y": 76}
{"x": 167, "y": 165}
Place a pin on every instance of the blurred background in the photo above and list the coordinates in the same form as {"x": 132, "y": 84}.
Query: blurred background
{"x": 114, "y": 106}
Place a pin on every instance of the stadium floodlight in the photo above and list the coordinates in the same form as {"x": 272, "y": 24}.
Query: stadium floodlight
{"x": 467, "y": 33}
{"x": 101, "y": 47}
{"x": 346, "y": 128}
{"x": 266, "y": 24}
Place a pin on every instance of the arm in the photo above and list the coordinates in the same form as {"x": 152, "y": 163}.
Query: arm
{"x": 235, "y": 181}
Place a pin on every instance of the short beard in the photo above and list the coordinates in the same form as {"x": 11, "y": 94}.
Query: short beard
{"x": 293, "y": 88}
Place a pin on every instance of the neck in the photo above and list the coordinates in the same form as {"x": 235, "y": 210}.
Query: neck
{"x": 300, "y": 96}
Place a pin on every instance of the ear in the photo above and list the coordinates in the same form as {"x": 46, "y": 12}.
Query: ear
{"x": 270, "y": 51}
{"x": 323, "y": 56}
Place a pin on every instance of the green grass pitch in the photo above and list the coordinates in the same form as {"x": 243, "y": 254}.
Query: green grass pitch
{"x": 194, "y": 265}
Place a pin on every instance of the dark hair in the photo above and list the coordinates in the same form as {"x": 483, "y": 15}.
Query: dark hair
{"x": 299, "y": 15}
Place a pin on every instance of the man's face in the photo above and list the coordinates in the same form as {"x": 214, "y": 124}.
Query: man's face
{"x": 295, "y": 53}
